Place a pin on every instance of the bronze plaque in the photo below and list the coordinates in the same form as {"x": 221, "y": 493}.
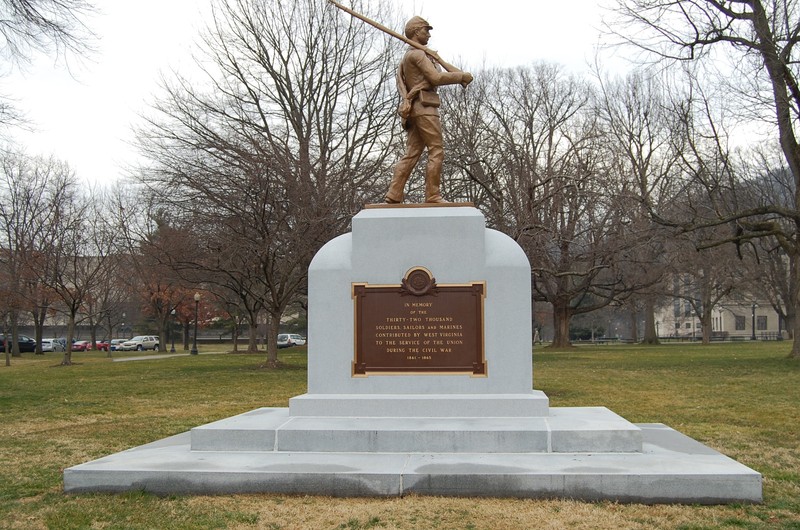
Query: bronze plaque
{"x": 419, "y": 327}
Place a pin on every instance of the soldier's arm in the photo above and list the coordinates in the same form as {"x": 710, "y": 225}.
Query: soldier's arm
{"x": 435, "y": 77}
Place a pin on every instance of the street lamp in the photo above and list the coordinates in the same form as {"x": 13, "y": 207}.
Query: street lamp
{"x": 172, "y": 331}
{"x": 196, "y": 312}
{"x": 753, "y": 336}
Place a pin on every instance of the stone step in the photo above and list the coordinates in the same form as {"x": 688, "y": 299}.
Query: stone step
{"x": 522, "y": 405}
{"x": 565, "y": 430}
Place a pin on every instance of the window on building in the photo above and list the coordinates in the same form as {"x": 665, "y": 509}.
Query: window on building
{"x": 677, "y": 325}
{"x": 698, "y": 325}
{"x": 688, "y": 325}
{"x": 761, "y": 322}
{"x": 741, "y": 323}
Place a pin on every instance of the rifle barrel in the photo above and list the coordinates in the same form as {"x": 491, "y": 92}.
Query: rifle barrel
{"x": 447, "y": 66}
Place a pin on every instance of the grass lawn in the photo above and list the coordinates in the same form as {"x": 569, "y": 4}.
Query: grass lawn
{"x": 742, "y": 399}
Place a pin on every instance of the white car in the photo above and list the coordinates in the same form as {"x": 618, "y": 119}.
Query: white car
{"x": 139, "y": 343}
{"x": 51, "y": 345}
{"x": 286, "y": 340}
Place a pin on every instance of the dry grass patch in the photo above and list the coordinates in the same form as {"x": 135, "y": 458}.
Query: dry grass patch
{"x": 413, "y": 512}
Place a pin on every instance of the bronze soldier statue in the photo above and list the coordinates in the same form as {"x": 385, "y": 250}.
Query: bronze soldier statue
{"x": 418, "y": 76}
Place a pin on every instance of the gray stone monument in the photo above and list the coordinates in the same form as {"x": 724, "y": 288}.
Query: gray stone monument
{"x": 420, "y": 381}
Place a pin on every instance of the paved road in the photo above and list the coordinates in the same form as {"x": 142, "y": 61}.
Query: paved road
{"x": 151, "y": 357}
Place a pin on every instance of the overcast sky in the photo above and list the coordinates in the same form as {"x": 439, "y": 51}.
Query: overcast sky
{"x": 84, "y": 115}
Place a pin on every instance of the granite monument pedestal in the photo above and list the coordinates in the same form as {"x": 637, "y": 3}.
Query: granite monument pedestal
{"x": 420, "y": 381}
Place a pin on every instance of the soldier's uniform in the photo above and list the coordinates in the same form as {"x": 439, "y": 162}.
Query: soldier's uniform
{"x": 417, "y": 78}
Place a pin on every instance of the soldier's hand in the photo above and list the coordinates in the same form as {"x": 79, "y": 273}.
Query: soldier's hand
{"x": 466, "y": 78}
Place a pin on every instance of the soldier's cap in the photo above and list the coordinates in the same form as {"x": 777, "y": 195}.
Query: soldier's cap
{"x": 415, "y": 23}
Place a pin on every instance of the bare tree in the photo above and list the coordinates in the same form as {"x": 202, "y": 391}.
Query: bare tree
{"x": 104, "y": 299}
{"x": 270, "y": 159}
{"x": 772, "y": 277}
{"x": 32, "y": 188}
{"x": 528, "y": 149}
{"x": 704, "y": 279}
{"x": 146, "y": 242}
{"x": 55, "y": 27}
{"x": 477, "y": 168}
{"x": 760, "y": 40}
{"x": 81, "y": 247}
{"x": 44, "y": 25}
{"x": 770, "y": 271}
{"x": 644, "y": 147}
{"x": 5, "y": 285}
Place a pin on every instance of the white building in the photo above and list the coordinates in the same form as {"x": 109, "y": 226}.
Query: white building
{"x": 731, "y": 319}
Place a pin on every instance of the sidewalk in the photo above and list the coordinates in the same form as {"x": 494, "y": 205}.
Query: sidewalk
{"x": 151, "y": 357}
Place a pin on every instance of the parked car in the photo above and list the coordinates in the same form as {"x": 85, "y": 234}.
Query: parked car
{"x": 140, "y": 342}
{"x": 81, "y": 345}
{"x": 286, "y": 340}
{"x": 116, "y": 344}
{"x": 102, "y": 345}
{"x": 26, "y": 344}
{"x": 52, "y": 345}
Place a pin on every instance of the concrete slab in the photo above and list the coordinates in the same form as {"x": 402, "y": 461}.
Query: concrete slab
{"x": 170, "y": 467}
{"x": 671, "y": 468}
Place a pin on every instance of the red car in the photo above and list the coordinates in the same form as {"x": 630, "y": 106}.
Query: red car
{"x": 102, "y": 345}
{"x": 81, "y": 345}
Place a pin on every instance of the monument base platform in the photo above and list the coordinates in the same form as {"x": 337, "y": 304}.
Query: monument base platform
{"x": 266, "y": 450}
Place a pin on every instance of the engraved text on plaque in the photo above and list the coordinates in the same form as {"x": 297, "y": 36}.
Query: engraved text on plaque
{"x": 419, "y": 327}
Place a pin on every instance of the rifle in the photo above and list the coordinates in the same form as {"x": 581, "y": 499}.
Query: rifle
{"x": 447, "y": 66}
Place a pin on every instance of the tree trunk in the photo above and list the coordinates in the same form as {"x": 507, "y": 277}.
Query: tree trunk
{"x": 562, "y": 315}
{"x": 788, "y": 323}
{"x": 793, "y": 322}
{"x": 67, "y": 361}
{"x": 273, "y": 322}
{"x": 634, "y": 325}
{"x": 163, "y": 324}
{"x": 235, "y": 336}
{"x": 791, "y": 303}
{"x": 14, "y": 335}
{"x": 793, "y": 330}
{"x": 650, "y": 331}
{"x": 252, "y": 336}
{"x": 6, "y": 346}
{"x": 705, "y": 323}
{"x": 38, "y": 324}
